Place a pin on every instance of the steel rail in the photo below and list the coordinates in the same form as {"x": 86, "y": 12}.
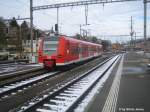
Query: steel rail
{"x": 24, "y": 76}
{"x": 89, "y": 88}
{"x": 14, "y": 61}
{"x": 13, "y": 87}
{"x": 4, "y": 76}
{"x": 34, "y": 105}
{"x": 5, "y": 91}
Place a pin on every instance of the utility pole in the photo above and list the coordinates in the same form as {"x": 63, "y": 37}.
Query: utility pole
{"x": 31, "y": 26}
{"x": 80, "y": 30}
{"x": 86, "y": 14}
{"x": 131, "y": 33}
{"x": 135, "y": 40}
{"x": 57, "y": 20}
{"x": 20, "y": 42}
{"x": 145, "y": 24}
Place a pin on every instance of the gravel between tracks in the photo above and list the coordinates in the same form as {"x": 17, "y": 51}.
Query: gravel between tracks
{"x": 45, "y": 86}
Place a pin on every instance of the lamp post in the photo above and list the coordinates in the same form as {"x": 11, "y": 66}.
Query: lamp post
{"x": 145, "y": 24}
{"x": 31, "y": 27}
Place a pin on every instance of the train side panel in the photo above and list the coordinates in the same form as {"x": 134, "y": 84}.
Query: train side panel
{"x": 66, "y": 51}
{"x": 69, "y": 51}
{"x": 61, "y": 51}
{"x": 40, "y": 50}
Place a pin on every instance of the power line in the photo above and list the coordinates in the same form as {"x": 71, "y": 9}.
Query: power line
{"x": 118, "y": 36}
{"x": 16, "y": 19}
{"x": 6, "y": 5}
{"x": 21, "y": 2}
{"x": 79, "y": 3}
{"x": 12, "y": 6}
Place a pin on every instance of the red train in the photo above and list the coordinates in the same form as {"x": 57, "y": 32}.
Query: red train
{"x": 63, "y": 50}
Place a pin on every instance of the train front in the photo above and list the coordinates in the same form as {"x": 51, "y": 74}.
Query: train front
{"x": 50, "y": 45}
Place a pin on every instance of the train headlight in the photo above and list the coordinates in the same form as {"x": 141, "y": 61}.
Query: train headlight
{"x": 67, "y": 51}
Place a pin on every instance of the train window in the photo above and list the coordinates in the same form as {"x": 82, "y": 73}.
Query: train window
{"x": 74, "y": 50}
{"x": 80, "y": 50}
{"x": 50, "y": 47}
{"x": 99, "y": 49}
{"x": 84, "y": 49}
{"x": 51, "y": 38}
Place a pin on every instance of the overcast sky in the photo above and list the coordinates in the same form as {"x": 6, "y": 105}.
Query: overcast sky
{"x": 110, "y": 19}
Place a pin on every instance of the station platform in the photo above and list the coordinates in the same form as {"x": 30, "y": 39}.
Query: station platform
{"x": 127, "y": 89}
{"x": 17, "y": 67}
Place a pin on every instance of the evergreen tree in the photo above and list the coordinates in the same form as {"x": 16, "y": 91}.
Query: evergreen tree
{"x": 24, "y": 25}
{"x": 94, "y": 39}
{"x": 13, "y": 23}
{"x": 3, "y": 41}
{"x": 24, "y": 30}
{"x": 78, "y": 36}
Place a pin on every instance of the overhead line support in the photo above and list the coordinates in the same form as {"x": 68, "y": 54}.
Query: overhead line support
{"x": 16, "y": 19}
{"x": 145, "y": 24}
{"x": 31, "y": 25}
{"x": 79, "y": 3}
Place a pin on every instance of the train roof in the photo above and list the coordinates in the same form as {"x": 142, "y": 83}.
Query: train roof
{"x": 77, "y": 40}
{"x": 56, "y": 37}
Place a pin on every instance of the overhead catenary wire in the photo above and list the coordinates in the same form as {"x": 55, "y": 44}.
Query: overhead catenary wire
{"x": 24, "y": 3}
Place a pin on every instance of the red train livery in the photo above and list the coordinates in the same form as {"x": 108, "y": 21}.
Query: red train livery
{"x": 63, "y": 50}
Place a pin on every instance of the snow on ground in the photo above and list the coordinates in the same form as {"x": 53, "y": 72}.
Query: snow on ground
{"x": 17, "y": 67}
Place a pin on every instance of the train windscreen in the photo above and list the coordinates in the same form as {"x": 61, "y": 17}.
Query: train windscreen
{"x": 50, "y": 45}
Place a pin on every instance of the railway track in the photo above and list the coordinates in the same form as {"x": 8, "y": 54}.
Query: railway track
{"x": 14, "y": 61}
{"x": 28, "y": 79}
{"x": 8, "y": 65}
{"x": 68, "y": 95}
{"x": 19, "y": 85}
{"x": 12, "y": 77}
{"x": 11, "y": 67}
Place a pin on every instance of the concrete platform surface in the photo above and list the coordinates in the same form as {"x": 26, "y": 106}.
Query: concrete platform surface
{"x": 134, "y": 92}
{"x": 127, "y": 89}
